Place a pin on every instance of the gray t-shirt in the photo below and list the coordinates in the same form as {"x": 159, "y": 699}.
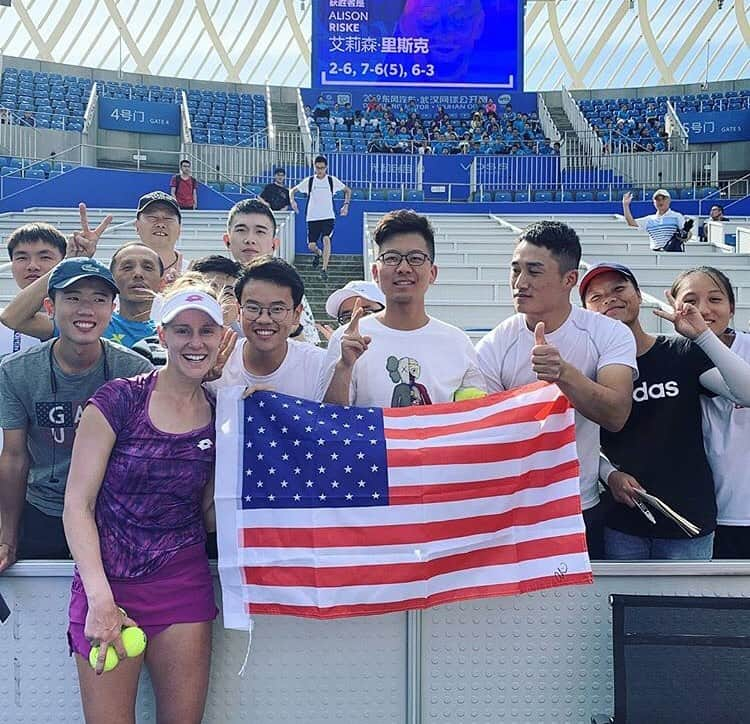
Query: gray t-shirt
{"x": 27, "y": 400}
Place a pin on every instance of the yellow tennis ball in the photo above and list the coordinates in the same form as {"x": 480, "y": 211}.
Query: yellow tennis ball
{"x": 134, "y": 641}
{"x": 110, "y": 660}
{"x": 468, "y": 393}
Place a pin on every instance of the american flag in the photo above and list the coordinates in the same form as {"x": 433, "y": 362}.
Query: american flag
{"x": 327, "y": 511}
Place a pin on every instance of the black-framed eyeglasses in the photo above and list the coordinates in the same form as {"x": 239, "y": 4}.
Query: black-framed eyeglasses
{"x": 346, "y": 317}
{"x": 277, "y": 312}
{"x": 413, "y": 258}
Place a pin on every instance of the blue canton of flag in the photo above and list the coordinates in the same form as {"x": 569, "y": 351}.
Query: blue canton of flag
{"x": 303, "y": 454}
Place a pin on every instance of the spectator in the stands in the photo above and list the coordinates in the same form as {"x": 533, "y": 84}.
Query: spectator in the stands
{"x": 321, "y": 111}
{"x": 336, "y": 118}
{"x": 660, "y": 448}
{"x": 591, "y": 358}
{"x": 660, "y": 226}
{"x": 373, "y": 105}
{"x": 348, "y": 114}
{"x": 158, "y": 223}
{"x": 42, "y": 393}
{"x": 508, "y": 114}
{"x": 34, "y": 249}
{"x": 490, "y": 108}
{"x": 276, "y": 195}
{"x": 716, "y": 213}
{"x": 184, "y": 187}
{"x": 251, "y": 232}
{"x": 28, "y": 119}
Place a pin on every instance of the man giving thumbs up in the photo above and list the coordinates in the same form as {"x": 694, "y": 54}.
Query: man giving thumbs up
{"x": 590, "y": 358}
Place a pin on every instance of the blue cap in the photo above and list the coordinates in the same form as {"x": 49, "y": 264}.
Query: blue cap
{"x": 69, "y": 271}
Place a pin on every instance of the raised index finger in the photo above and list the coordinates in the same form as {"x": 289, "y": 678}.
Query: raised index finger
{"x": 357, "y": 312}
{"x": 84, "y": 216}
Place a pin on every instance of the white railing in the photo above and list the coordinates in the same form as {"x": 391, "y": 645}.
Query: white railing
{"x": 269, "y": 117}
{"x": 678, "y": 135}
{"x": 545, "y": 119}
{"x": 589, "y": 142}
{"x": 308, "y": 142}
{"x": 90, "y": 117}
{"x": 186, "y": 122}
{"x": 743, "y": 239}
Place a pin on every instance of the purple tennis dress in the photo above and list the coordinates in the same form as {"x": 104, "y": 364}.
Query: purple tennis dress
{"x": 149, "y": 517}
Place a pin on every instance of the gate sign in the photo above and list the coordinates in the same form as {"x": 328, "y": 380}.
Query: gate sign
{"x": 418, "y": 43}
{"x": 717, "y": 127}
{"x": 123, "y": 114}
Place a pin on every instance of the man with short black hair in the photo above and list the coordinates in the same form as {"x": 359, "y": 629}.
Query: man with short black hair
{"x": 269, "y": 293}
{"x": 42, "y": 394}
{"x": 320, "y": 215}
{"x": 251, "y": 232}
{"x": 276, "y": 194}
{"x": 34, "y": 249}
{"x": 222, "y": 274}
{"x": 589, "y": 357}
{"x": 400, "y": 356}
{"x": 158, "y": 224}
{"x": 184, "y": 188}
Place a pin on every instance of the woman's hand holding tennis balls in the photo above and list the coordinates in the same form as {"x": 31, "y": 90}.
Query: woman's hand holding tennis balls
{"x": 104, "y": 622}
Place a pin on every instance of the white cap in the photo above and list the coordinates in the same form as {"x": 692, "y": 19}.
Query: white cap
{"x": 164, "y": 310}
{"x": 662, "y": 192}
{"x": 357, "y": 288}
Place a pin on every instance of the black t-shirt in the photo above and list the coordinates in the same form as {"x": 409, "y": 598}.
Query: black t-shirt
{"x": 661, "y": 444}
{"x": 277, "y": 196}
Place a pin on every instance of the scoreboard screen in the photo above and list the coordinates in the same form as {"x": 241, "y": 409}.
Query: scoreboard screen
{"x": 418, "y": 43}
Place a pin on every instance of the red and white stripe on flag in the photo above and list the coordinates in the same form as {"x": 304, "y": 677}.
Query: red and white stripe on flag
{"x": 483, "y": 500}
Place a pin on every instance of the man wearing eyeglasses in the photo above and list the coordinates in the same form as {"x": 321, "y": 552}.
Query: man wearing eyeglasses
{"x": 400, "y": 356}
{"x": 269, "y": 292}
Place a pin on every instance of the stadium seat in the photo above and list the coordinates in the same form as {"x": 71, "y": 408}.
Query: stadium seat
{"x": 394, "y": 195}
{"x": 584, "y": 195}
{"x": 503, "y": 196}
{"x": 543, "y": 196}
{"x": 379, "y": 194}
{"x": 215, "y": 185}
{"x": 359, "y": 194}
{"x": 230, "y": 188}
{"x": 415, "y": 195}
{"x": 36, "y": 173}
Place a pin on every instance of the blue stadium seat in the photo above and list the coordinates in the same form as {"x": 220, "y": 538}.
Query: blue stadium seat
{"x": 503, "y": 196}
{"x": 9, "y": 170}
{"x": 36, "y": 173}
{"x": 215, "y": 185}
{"x": 359, "y": 194}
{"x": 543, "y": 196}
{"x": 230, "y": 188}
{"x": 584, "y": 195}
{"x": 379, "y": 194}
{"x": 415, "y": 195}
{"x": 393, "y": 195}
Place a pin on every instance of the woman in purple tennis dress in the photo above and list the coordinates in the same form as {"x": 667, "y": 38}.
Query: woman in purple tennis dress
{"x": 138, "y": 503}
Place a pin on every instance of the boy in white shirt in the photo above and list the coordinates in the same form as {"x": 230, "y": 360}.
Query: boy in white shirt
{"x": 269, "y": 292}
{"x": 400, "y": 356}
{"x": 590, "y": 357}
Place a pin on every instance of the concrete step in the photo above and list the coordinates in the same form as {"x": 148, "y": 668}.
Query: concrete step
{"x": 342, "y": 269}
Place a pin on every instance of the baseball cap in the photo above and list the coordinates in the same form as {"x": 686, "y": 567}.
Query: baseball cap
{"x": 164, "y": 310}
{"x": 158, "y": 197}
{"x": 661, "y": 192}
{"x": 602, "y": 268}
{"x": 69, "y": 271}
{"x": 357, "y": 288}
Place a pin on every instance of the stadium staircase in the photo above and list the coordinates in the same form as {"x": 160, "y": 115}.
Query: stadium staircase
{"x": 286, "y": 126}
{"x": 343, "y": 268}
{"x": 473, "y": 253}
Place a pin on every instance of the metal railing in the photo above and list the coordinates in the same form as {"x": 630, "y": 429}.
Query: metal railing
{"x": 269, "y": 120}
{"x": 676, "y": 132}
{"x": 92, "y": 108}
{"x": 545, "y": 119}
{"x": 309, "y": 143}
{"x": 186, "y": 125}
{"x": 589, "y": 142}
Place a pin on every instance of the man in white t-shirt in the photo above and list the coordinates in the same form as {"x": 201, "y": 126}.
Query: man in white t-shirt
{"x": 400, "y": 356}
{"x": 590, "y": 357}
{"x": 34, "y": 249}
{"x": 251, "y": 232}
{"x": 660, "y": 226}
{"x": 269, "y": 292}
{"x": 320, "y": 215}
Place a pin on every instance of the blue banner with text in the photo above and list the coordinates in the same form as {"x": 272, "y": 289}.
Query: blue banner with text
{"x": 718, "y": 127}
{"x": 123, "y": 114}
{"x": 418, "y": 43}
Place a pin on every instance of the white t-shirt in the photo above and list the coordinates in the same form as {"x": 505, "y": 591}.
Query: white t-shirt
{"x": 298, "y": 375}
{"x": 586, "y": 340}
{"x": 726, "y": 433}
{"x": 402, "y": 368}
{"x": 12, "y": 341}
{"x": 660, "y": 228}
{"x": 320, "y": 203}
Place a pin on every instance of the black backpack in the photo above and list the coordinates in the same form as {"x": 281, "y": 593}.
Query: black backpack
{"x": 310, "y": 184}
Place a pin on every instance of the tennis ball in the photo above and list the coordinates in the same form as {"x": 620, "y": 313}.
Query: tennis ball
{"x": 110, "y": 661}
{"x": 134, "y": 641}
{"x": 468, "y": 393}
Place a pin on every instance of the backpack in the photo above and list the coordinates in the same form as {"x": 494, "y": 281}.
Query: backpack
{"x": 310, "y": 184}
{"x": 677, "y": 240}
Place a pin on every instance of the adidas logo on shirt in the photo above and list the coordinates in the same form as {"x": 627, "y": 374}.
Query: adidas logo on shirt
{"x": 657, "y": 391}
